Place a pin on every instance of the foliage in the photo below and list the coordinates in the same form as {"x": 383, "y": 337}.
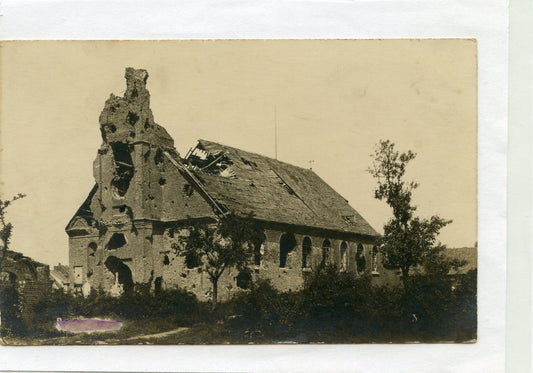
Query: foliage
{"x": 181, "y": 306}
{"x": 333, "y": 307}
{"x": 228, "y": 244}
{"x": 441, "y": 307}
{"x": 408, "y": 240}
{"x": 6, "y": 228}
{"x": 10, "y": 307}
{"x": 9, "y": 299}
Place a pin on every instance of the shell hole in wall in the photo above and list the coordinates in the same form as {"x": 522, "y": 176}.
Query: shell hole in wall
{"x": 116, "y": 241}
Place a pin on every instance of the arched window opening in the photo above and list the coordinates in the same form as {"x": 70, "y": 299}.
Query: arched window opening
{"x": 166, "y": 260}
{"x": 287, "y": 243}
{"x": 259, "y": 250}
{"x": 8, "y": 277}
{"x": 92, "y": 248}
{"x": 122, "y": 273}
{"x": 116, "y": 241}
{"x": 306, "y": 252}
{"x": 344, "y": 256}
{"x": 326, "y": 245}
{"x": 360, "y": 258}
{"x": 375, "y": 260}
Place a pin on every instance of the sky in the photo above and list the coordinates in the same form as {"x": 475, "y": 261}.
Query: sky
{"x": 332, "y": 101}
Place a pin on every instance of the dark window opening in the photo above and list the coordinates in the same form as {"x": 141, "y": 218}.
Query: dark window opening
{"x": 158, "y": 283}
{"x": 344, "y": 257}
{"x": 166, "y": 261}
{"x": 244, "y": 279}
{"x": 92, "y": 248}
{"x": 326, "y": 245}
{"x": 259, "y": 250}
{"x": 121, "y": 208}
{"x": 9, "y": 277}
{"x": 116, "y": 241}
{"x": 306, "y": 252}
{"x": 121, "y": 153}
{"x": 123, "y": 168}
{"x": 375, "y": 260}
{"x": 360, "y": 259}
{"x": 122, "y": 273}
{"x": 287, "y": 243}
{"x": 158, "y": 157}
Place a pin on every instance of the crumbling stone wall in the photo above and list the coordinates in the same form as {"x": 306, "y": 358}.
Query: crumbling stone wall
{"x": 136, "y": 186}
{"x": 28, "y": 278}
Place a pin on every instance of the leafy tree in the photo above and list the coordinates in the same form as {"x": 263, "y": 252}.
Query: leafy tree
{"x": 229, "y": 243}
{"x": 6, "y": 228}
{"x": 408, "y": 240}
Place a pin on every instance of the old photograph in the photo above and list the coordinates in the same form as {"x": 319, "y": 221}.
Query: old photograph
{"x": 238, "y": 192}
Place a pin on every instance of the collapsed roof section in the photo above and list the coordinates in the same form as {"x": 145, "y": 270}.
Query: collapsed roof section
{"x": 274, "y": 191}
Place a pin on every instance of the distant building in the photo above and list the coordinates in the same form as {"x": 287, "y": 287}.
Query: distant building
{"x": 145, "y": 194}
{"x": 60, "y": 277}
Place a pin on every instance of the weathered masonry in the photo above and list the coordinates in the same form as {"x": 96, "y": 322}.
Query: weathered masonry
{"x": 29, "y": 278}
{"x": 146, "y": 193}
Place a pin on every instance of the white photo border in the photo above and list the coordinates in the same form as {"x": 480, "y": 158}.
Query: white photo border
{"x": 486, "y": 21}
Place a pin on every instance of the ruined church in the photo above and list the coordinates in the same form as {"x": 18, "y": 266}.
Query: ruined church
{"x": 145, "y": 193}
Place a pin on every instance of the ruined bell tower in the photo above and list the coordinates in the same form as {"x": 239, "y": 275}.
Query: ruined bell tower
{"x": 111, "y": 237}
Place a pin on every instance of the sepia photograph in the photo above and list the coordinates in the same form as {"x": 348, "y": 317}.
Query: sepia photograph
{"x": 311, "y": 191}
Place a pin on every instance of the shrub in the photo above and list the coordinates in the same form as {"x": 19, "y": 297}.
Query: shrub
{"x": 183, "y": 307}
{"x": 10, "y": 311}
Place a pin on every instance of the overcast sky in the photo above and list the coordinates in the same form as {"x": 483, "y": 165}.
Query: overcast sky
{"x": 333, "y": 101}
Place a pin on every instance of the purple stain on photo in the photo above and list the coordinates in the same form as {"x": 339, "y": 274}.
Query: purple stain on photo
{"x": 88, "y": 325}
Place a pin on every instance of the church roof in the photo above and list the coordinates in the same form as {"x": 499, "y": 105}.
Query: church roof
{"x": 274, "y": 191}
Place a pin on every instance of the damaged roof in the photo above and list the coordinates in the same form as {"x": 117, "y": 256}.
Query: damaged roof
{"x": 274, "y": 191}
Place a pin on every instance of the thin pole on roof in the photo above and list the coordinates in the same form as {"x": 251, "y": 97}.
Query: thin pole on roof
{"x": 275, "y": 132}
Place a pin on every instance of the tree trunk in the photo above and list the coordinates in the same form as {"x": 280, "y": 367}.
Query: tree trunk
{"x": 405, "y": 274}
{"x": 215, "y": 292}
